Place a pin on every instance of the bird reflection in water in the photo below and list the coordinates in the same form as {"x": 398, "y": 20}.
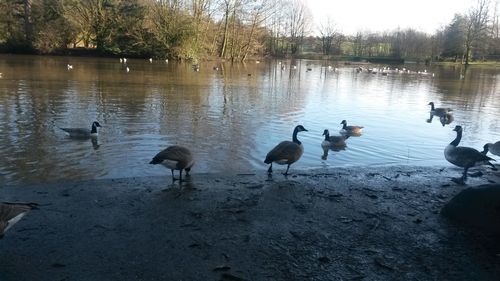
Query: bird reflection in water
{"x": 444, "y": 119}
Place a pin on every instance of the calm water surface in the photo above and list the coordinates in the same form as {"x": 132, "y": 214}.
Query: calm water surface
{"x": 230, "y": 117}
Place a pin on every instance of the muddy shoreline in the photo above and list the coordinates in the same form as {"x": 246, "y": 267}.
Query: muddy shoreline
{"x": 374, "y": 223}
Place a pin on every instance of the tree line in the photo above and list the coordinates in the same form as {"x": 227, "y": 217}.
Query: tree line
{"x": 229, "y": 29}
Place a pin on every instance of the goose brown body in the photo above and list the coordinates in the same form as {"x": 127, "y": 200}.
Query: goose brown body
{"x": 11, "y": 213}
{"x": 439, "y": 111}
{"x": 286, "y": 152}
{"x": 175, "y": 158}
{"x": 493, "y": 148}
{"x": 83, "y": 133}
{"x": 350, "y": 130}
{"x": 465, "y": 157}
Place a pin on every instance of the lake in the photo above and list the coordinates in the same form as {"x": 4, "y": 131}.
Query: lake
{"x": 229, "y": 115}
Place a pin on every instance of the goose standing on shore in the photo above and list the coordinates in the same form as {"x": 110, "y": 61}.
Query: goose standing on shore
{"x": 465, "y": 157}
{"x": 175, "y": 158}
{"x": 286, "y": 152}
{"x": 11, "y": 213}
{"x": 83, "y": 133}
{"x": 493, "y": 148}
{"x": 350, "y": 130}
{"x": 439, "y": 111}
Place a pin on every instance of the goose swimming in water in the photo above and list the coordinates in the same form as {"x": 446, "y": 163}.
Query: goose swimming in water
{"x": 83, "y": 133}
{"x": 175, "y": 158}
{"x": 11, "y": 213}
{"x": 334, "y": 141}
{"x": 350, "y": 130}
{"x": 493, "y": 148}
{"x": 286, "y": 152}
{"x": 439, "y": 111}
{"x": 465, "y": 157}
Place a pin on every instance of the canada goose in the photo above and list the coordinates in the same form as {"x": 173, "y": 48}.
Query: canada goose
{"x": 439, "y": 111}
{"x": 175, "y": 158}
{"x": 83, "y": 133}
{"x": 493, "y": 148}
{"x": 465, "y": 157}
{"x": 350, "y": 130}
{"x": 333, "y": 141}
{"x": 11, "y": 213}
{"x": 286, "y": 152}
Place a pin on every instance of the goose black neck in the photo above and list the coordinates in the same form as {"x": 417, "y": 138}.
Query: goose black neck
{"x": 432, "y": 106}
{"x": 344, "y": 125}
{"x": 295, "y": 140}
{"x": 94, "y": 129}
{"x": 456, "y": 141}
{"x": 327, "y": 136}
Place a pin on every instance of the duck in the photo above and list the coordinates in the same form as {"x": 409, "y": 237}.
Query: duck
{"x": 83, "y": 133}
{"x": 439, "y": 111}
{"x": 286, "y": 152}
{"x": 465, "y": 157}
{"x": 493, "y": 148}
{"x": 175, "y": 157}
{"x": 350, "y": 130}
{"x": 11, "y": 213}
{"x": 333, "y": 141}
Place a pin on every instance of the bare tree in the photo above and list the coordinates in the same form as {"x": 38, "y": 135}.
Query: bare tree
{"x": 329, "y": 33}
{"x": 299, "y": 24}
{"x": 476, "y": 27}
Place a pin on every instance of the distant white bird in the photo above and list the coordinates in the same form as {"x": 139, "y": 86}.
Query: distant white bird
{"x": 124, "y": 60}
{"x": 151, "y": 60}
{"x": 121, "y": 60}
{"x": 166, "y": 60}
{"x": 70, "y": 66}
{"x": 127, "y": 69}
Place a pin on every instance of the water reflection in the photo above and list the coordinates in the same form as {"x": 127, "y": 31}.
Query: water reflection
{"x": 229, "y": 119}
{"x": 444, "y": 119}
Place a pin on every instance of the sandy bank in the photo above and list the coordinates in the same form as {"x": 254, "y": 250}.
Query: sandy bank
{"x": 379, "y": 223}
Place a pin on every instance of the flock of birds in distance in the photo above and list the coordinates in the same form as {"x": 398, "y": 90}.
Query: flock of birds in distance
{"x": 285, "y": 153}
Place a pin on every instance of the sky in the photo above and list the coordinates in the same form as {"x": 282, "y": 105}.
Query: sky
{"x": 351, "y": 16}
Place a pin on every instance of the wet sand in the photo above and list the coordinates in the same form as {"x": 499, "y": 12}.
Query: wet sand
{"x": 371, "y": 223}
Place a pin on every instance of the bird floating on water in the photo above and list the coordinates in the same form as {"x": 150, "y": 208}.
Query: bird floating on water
{"x": 352, "y": 130}
{"x": 83, "y": 133}
{"x": 465, "y": 157}
{"x": 69, "y": 66}
{"x": 286, "y": 152}
{"x": 175, "y": 158}
{"x": 439, "y": 111}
